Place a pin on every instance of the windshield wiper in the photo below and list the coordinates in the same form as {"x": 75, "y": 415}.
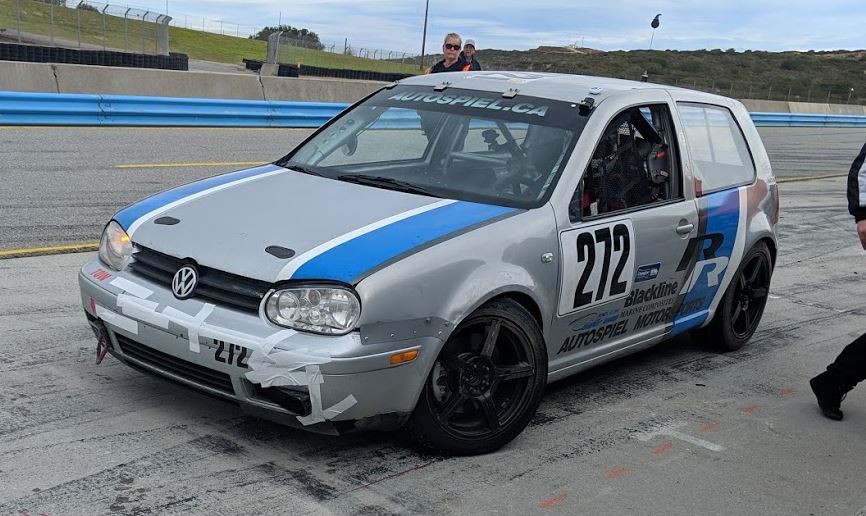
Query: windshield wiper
{"x": 386, "y": 182}
{"x": 303, "y": 169}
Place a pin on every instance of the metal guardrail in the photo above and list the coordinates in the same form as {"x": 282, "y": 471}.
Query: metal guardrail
{"x": 807, "y": 120}
{"x": 122, "y": 110}
{"x": 17, "y": 108}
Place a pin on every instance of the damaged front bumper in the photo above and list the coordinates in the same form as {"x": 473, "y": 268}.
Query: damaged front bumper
{"x": 325, "y": 384}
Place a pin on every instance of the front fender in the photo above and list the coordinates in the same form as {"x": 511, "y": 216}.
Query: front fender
{"x": 448, "y": 281}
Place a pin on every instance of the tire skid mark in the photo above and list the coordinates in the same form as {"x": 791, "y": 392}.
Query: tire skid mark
{"x": 208, "y": 463}
{"x": 124, "y": 438}
{"x": 42, "y": 415}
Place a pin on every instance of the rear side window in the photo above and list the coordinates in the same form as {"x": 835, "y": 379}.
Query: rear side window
{"x": 719, "y": 151}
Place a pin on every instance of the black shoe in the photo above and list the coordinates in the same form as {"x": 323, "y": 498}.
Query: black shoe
{"x": 829, "y": 394}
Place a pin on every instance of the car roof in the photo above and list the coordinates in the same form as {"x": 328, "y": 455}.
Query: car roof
{"x": 557, "y": 86}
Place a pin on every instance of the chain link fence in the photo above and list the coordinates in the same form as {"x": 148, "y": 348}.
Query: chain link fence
{"x": 84, "y": 25}
{"x": 312, "y": 52}
{"x": 221, "y": 27}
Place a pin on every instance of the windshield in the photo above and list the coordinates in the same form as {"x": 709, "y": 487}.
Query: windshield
{"x": 458, "y": 144}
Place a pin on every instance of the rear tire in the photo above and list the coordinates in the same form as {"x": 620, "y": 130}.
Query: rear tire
{"x": 740, "y": 310}
{"x": 485, "y": 385}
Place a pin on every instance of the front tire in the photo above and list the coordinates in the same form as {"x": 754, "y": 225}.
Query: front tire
{"x": 486, "y": 383}
{"x": 739, "y": 313}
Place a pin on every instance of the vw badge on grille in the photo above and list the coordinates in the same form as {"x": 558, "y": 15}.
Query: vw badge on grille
{"x": 184, "y": 282}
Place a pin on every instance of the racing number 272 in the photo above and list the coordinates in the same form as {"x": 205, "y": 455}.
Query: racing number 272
{"x": 236, "y": 354}
{"x": 615, "y": 240}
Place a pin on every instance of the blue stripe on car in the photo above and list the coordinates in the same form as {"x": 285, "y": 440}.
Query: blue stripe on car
{"x": 127, "y": 216}
{"x": 723, "y": 216}
{"x": 353, "y": 259}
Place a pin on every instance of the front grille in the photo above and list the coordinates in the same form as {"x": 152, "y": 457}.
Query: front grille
{"x": 186, "y": 370}
{"x": 222, "y": 288}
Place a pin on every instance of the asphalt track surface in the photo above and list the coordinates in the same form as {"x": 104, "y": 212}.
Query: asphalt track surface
{"x": 678, "y": 429}
{"x": 59, "y": 186}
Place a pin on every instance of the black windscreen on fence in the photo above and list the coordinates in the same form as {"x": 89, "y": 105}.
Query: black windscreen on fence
{"x": 38, "y": 54}
{"x": 285, "y": 70}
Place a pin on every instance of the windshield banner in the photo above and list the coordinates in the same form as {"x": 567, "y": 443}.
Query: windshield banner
{"x": 482, "y": 104}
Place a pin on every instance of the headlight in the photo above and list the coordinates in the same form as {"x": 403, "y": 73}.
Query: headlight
{"x": 327, "y": 310}
{"x": 115, "y": 247}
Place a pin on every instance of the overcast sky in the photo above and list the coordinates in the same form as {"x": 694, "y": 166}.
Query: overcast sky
{"x": 511, "y": 24}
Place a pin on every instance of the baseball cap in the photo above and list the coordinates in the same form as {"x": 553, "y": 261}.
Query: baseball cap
{"x": 469, "y": 42}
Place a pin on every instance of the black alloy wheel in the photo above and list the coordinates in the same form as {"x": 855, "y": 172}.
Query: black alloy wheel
{"x": 750, "y": 296}
{"x": 739, "y": 313}
{"x": 486, "y": 383}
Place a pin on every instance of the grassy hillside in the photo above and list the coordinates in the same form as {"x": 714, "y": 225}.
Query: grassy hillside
{"x": 798, "y": 76}
{"x": 135, "y": 36}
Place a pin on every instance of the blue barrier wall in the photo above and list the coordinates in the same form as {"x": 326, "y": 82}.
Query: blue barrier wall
{"x": 118, "y": 110}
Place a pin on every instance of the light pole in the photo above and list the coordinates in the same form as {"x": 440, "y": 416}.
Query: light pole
{"x": 424, "y": 37}
{"x": 654, "y": 24}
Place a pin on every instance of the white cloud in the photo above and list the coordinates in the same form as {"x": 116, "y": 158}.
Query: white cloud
{"x": 518, "y": 24}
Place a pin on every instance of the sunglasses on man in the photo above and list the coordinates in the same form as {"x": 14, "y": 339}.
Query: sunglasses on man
{"x": 449, "y": 46}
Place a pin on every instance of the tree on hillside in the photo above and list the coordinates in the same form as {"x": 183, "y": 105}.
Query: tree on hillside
{"x": 306, "y": 38}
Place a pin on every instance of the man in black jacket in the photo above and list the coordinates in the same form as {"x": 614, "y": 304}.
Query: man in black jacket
{"x": 849, "y": 368}
{"x": 468, "y": 56}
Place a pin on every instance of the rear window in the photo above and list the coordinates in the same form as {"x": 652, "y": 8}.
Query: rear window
{"x": 718, "y": 148}
{"x": 459, "y": 144}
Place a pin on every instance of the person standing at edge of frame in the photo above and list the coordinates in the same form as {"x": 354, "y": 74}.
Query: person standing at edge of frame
{"x": 849, "y": 368}
{"x": 451, "y": 51}
{"x": 468, "y": 56}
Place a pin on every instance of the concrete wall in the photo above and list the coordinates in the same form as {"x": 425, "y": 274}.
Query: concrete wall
{"x": 68, "y": 78}
{"x": 317, "y": 89}
{"x": 163, "y": 83}
{"x": 766, "y": 106}
{"x": 33, "y": 77}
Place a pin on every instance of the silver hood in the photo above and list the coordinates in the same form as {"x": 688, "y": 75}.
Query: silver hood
{"x": 229, "y": 225}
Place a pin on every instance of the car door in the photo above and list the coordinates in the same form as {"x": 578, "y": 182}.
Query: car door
{"x": 629, "y": 226}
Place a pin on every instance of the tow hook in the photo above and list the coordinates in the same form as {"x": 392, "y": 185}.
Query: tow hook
{"x": 102, "y": 344}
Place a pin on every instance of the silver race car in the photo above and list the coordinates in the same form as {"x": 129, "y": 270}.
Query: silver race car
{"x": 436, "y": 254}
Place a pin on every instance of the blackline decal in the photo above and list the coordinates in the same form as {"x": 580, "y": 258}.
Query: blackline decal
{"x": 649, "y": 307}
{"x": 653, "y": 293}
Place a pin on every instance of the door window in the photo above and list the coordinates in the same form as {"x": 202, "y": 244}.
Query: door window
{"x": 720, "y": 155}
{"x": 634, "y": 165}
